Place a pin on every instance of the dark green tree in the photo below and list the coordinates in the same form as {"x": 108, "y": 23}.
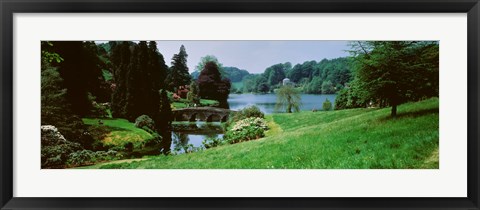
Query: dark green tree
{"x": 204, "y": 60}
{"x": 393, "y": 72}
{"x": 157, "y": 69}
{"x": 138, "y": 91}
{"x": 120, "y": 57}
{"x": 212, "y": 86}
{"x": 179, "y": 75}
{"x": 55, "y": 108}
{"x": 163, "y": 122}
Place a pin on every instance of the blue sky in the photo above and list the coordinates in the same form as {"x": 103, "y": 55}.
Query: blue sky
{"x": 254, "y": 56}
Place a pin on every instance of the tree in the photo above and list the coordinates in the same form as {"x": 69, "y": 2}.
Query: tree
{"x": 139, "y": 92}
{"x": 192, "y": 95}
{"x": 157, "y": 69}
{"x": 55, "y": 108}
{"x": 120, "y": 56}
{"x": 209, "y": 58}
{"x": 327, "y": 87}
{"x": 315, "y": 86}
{"x": 80, "y": 72}
{"x": 393, "y": 72}
{"x": 235, "y": 74}
{"x": 211, "y": 85}
{"x": 179, "y": 75}
{"x": 275, "y": 74}
{"x": 288, "y": 98}
{"x": 163, "y": 122}
{"x": 327, "y": 105}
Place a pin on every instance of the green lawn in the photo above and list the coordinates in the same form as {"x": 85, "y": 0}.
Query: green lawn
{"x": 344, "y": 139}
{"x": 116, "y": 132}
{"x": 183, "y": 103}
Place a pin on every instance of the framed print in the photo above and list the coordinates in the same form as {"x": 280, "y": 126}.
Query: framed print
{"x": 239, "y": 105}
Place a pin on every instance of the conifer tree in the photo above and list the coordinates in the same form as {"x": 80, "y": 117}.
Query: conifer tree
{"x": 179, "y": 75}
{"x": 121, "y": 56}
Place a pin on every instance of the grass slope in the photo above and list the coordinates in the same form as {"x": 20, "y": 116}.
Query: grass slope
{"x": 116, "y": 132}
{"x": 344, "y": 139}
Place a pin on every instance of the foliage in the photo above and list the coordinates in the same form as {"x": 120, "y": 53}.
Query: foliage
{"x": 394, "y": 72}
{"x": 245, "y": 130}
{"x": 140, "y": 72}
{"x": 88, "y": 157}
{"x": 211, "y": 142}
{"x": 327, "y": 105}
{"x": 203, "y": 61}
{"x": 55, "y": 148}
{"x": 179, "y": 75}
{"x": 324, "y": 77}
{"x": 55, "y": 109}
{"x": 288, "y": 98}
{"x": 211, "y": 85}
{"x": 327, "y": 87}
{"x": 192, "y": 95}
{"x": 235, "y": 74}
{"x": 82, "y": 74}
{"x": 163, "y": 122}
{"x": 145, "y": 121}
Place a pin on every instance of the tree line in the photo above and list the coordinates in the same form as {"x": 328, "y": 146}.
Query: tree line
{"x": 324, "y": 77}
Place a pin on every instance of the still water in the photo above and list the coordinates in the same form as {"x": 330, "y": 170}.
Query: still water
{"x": 188, "y": 136}
{"x": 266, "y": 102}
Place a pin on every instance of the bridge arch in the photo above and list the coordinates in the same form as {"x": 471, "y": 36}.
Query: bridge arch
{"x": 209, "y": 114}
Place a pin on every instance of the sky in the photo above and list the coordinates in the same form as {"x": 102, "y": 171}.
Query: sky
{"x": 254, "y": 56}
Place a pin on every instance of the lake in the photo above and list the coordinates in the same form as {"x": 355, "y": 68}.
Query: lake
{"x": 266, "y": 102}
{"x": 187, "y": 136}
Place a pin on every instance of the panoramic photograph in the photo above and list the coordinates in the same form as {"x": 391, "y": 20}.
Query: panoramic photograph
{"x": 245, "y": 104}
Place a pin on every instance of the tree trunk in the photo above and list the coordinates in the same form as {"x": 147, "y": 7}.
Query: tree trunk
{"x": 394, "y": 111}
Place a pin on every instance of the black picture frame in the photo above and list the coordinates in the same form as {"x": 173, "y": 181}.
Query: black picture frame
{"x": 10, "y": 7}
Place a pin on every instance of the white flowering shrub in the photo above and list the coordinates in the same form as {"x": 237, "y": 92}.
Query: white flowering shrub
{"x": 246, "y": 130}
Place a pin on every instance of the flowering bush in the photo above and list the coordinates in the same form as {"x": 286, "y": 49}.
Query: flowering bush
{"x": 246, "y": 129}
{"x": 251, "y": 121}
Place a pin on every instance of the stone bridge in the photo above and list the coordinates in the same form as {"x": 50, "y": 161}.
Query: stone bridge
{"x": 208, "y": 114}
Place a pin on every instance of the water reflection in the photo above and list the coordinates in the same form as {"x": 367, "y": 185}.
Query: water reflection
{"x": 266, "y": 102}
{"x": 188, "y": 136}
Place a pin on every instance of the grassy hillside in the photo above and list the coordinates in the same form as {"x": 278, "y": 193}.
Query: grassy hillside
{"x": 345, "y": 139}
{"x": 116, "y": 132}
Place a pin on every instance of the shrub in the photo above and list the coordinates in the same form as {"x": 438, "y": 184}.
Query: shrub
{"x": 88, "y": 157}
{"x": 56, "y": 156}
{"x": 157, "y": 139}
{"x": 246, "y": 129}
{"x": 327, "y": 105}
{"x": 247, "y": 112}
{"x": 145, "y": 121}
{"x": 211, "y": 142}
{"x": 55, "y": 148}
{"x": 100, "y": 110}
